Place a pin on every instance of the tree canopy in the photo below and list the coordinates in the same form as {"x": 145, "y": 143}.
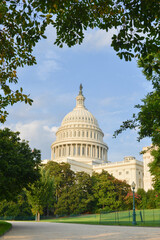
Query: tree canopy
{"x": 23, "y": 24}
{"x": 41, "y": 193}
{"x": 19, "y": 164}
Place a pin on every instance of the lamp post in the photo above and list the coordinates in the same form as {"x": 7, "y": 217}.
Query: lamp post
{"x": 134, "y": 213}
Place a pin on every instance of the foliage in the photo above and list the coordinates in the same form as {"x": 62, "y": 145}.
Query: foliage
{"x": 155, "y": 168}
{"x": 79, "y": 192}
{"x": 19, "y": 165}
{"x": 129, "y": 200}
{"x": 147, "y": 120}
{"x": 41, "y": 193}
{"x": 64, "y": 180}
{"x": 23, "y": 24}
{"x": 63, "y": 175}
{"x": 17, "y": 208}
{"x": 109, "y": 191}
{"x": 21, "y": 27}
{"x": 81, "y": 197}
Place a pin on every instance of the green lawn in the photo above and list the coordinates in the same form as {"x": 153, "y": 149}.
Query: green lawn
{"x": 147, "y": 217}
{"x": 4, "y": 227}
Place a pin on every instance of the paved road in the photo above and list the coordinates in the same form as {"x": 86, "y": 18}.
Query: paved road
{"x": 65, "y": 231}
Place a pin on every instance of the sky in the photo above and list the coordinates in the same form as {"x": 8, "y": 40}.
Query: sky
{"x": 111, "y": 87}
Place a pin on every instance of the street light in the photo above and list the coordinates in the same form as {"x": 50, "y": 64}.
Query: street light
{"x": 134, "y": 213}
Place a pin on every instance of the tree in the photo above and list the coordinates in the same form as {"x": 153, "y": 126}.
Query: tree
{"x": 155, "y": 168}
{"x": 24, "y": 23}
{"x": 63, "y": 175}
{"x": 19, "y": 165}
{"x": 64, "y": 180}
{"x": 81, "y": 194}
{"x": 41, "y": 193}
{"x": 19, "y": 208}
{"x": 109, "y": 191}
{"x": 129, "y": 200}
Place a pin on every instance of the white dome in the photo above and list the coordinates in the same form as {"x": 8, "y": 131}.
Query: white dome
{"x": 79, "y": 136}
{"x": 79, "y": 115}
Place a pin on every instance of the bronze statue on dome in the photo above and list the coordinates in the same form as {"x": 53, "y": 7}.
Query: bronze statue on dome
{"x": 80, "y": 89}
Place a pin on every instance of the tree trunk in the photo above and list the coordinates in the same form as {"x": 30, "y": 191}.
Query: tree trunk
{"x": 38, "y": 217}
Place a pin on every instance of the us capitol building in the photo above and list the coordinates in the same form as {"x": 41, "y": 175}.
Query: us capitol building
{"x": 79, "y": 142}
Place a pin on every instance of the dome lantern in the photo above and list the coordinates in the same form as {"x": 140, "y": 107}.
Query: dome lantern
{"x": 80, "y": 98}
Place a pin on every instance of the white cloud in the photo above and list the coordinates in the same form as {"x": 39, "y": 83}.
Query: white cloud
{"x": 38, "y": 133}
{"x": 51, "y": 130}
{"x": 96, "y": 39}
{"x": 46, "y": 67}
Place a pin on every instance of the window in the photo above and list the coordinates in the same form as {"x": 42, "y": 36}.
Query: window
{"x": 74, "y": 133}
{"x": 79, "y": 150}
{"x": 60, "y": 152}
{"x": 78, "y": 133}
{"x": 93, "y": 151}
{"x": 74, "y": 150}
{"x": 120, "y": 173}
{"x": 69, "y": 150}
{"x": 127, "y": 172}
{"x": 90, "y": 134}
{"x": 83, "y": 150}
{"x": 97, "y": 152}
{"x": 82, "y": 134}
{"x": 101, "y": 153}
{"x": 140, "y": 182}
{"x": 86, "y": 134}
{"x": 87, "y": 151}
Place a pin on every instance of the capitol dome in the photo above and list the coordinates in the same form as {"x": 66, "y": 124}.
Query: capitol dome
{"x": 79, "y": 136}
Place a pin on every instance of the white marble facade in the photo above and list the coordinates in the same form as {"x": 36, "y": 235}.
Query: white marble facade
{"x": 79, "y": 142}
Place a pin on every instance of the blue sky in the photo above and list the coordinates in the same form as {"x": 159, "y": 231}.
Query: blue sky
{"x": 111, "y": 87}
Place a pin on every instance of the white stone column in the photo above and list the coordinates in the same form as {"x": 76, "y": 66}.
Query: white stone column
{"x": 91, "y": 153}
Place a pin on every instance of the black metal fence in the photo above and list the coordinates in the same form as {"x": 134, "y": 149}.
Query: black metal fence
{"x": 142, "y": 216}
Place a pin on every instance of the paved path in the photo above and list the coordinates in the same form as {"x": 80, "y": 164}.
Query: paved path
{"x": 66, "y": 231}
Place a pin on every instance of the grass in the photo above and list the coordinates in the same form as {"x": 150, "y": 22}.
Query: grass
{"x": 147, "y": 217}
{"x": 4, "y": 227}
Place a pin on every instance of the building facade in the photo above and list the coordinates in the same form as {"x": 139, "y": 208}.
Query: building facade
{"x": 79, "y": 142}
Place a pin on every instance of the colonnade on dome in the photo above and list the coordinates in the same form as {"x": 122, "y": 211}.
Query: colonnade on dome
{"x": 80, "y": 150}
